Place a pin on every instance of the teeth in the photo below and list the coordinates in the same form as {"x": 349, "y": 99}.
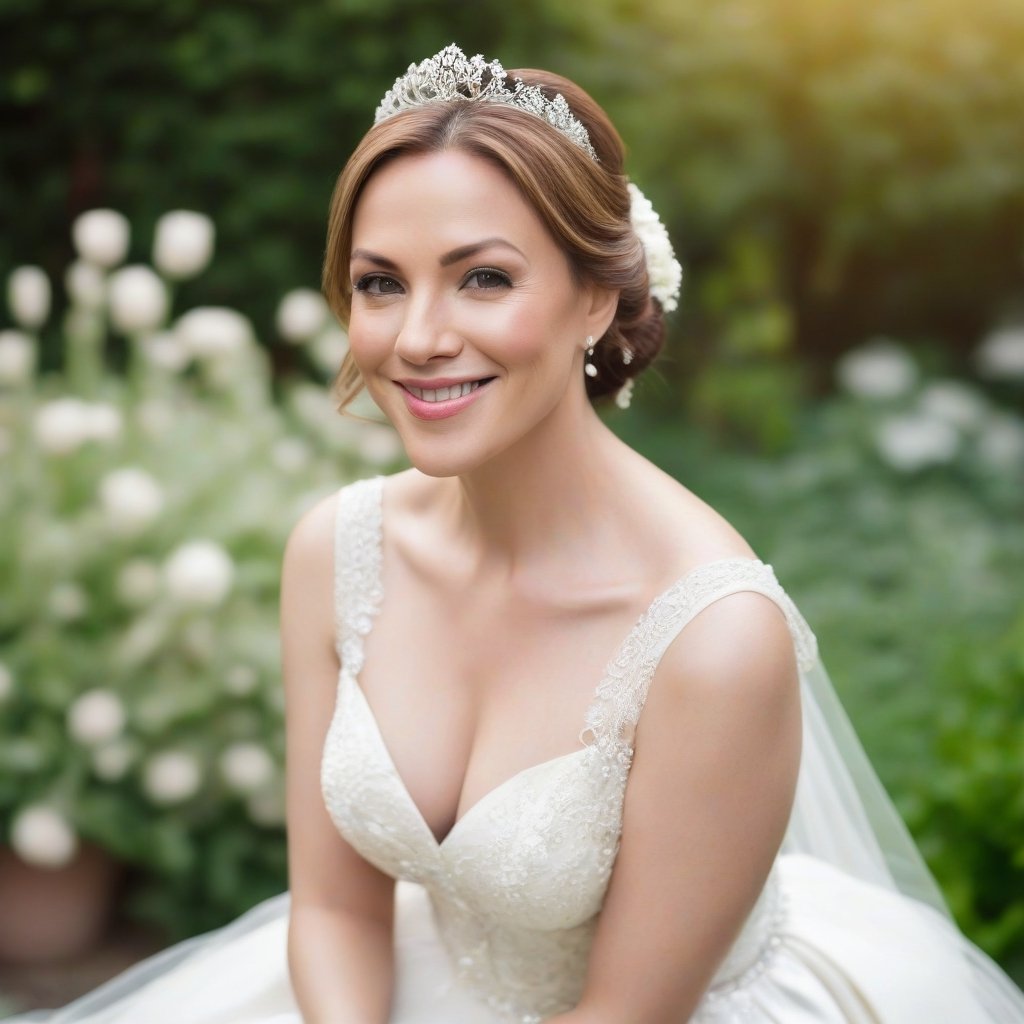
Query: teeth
{"x": 445, "y": 394}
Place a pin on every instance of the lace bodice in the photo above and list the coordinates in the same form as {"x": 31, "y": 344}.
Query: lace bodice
{"x": 517, "y": 884}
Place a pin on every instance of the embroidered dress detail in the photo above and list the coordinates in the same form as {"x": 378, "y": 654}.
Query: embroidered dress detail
{"x": 517, "y": 884}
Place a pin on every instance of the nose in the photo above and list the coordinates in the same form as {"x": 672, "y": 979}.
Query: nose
{"x": 427, "y": 332}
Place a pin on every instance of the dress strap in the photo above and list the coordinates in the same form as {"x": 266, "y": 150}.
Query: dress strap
{"x": 623, "y": 690}
{"x": 357, "y": 567}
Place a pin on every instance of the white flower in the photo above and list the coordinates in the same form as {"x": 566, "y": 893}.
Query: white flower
{"x": 378, "y": 445}
{"x": 881, "y": 369}
{"x": 1001, "y": 443}
{"x": 911, "y": 441}
{"x": 214, "y": 332}
{"x": 199, "y": 572}
{"x": 101, "y": 237}
{"x": 165, "y": 351}
{"x": 1001, "y": 354}
{"x": 96, "y": 717}
{"x": 301, "y": 314}
{"x": 131, "y": 498}
{"x": 241, "y": 680}
{"x": 138, "y": 299}
{"x": 624, "y": 395}
{"x": 663, "y": 269}
{"x": 61, "y": 426}
{"x": 17, "y": 357}
{"x": 6, "y": 683}
{"x": 138, "y": 582}
{"x": 246, "y": 767}
{"x": 171, "y": 776}
{"x": 183, "y": 244}
{"x": 67, "y": 602}
{"x": 85, "y": 284}
{"x": 328, "y": 349}
{"x": 266, "y": 807}
{"x": 42, "y": 836}
{"x": 955, "y": 403}
{"x": 111, "y": 761}
{"x": 28, "y": 296}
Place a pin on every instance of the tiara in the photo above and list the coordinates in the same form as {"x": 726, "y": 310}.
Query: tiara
{"x": 451, "y": 75}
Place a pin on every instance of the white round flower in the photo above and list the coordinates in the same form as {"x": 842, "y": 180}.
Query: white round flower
{"x": 85, "y": 284}
{"x": 241, "y": 680}
{"x": 881, "y": 369}
{"x": 954, "y": 402}
{"x": 131, "y": 498}
{"x": 42, "y": 836}
{"x": 101, "y": 237}
{"x": 291, "y": 454}
{"x": 1001, "y": 442}
{"x": 328, "y": 349}
{"x": 6, "y": 682}
{"x": 165, "y": 351}
{"x": 68, "y": 602}
{"x": 96, "y": 717}
{"x": 1001, "y": 355}
{"x": 664, "y": 271}
{"x": 28, "y": 296}
{"x": 103, "y": 422}
{"x": 246, "y": 767}
{"x": 378, "y": 445}
{"x": 911, "y": 441}
{"x": 111, "y": 761}
{"x": 138, "y": 582}
{"x": 183, "y": 243}
{"x": 301, "y": 314}
{"x": 171, "y": 776}
{"x": 267, "y": 807}
{"x": 138, "y": 299}
{"x": 62, "y": 425}
{"x": 214, "y": 332}
{"x": 17, "y": 357}
{"x": 199, "y": 572}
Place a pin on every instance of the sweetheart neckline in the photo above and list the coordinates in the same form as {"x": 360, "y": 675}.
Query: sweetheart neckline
{"x": 440, "y": 844}
{"x": 376, "y": 563}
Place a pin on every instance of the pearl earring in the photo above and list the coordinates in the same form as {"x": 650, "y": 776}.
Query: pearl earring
{"x": 588, "y": 367}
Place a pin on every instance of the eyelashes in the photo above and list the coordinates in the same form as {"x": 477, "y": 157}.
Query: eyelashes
{"x": 481, "y": 279}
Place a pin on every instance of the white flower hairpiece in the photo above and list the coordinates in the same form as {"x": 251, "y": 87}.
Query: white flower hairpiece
{"x": 663, "y": 269}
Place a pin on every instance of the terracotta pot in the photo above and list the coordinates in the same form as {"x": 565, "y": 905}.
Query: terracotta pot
{"x": 55, "y": 913}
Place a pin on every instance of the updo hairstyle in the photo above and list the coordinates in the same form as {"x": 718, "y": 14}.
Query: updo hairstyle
{"x": 584, "y": 203}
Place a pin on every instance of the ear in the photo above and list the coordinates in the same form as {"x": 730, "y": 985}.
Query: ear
{"x": 600, "y": 310}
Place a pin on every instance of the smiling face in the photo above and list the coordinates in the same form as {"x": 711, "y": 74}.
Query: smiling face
{"x": 466, "y": 324}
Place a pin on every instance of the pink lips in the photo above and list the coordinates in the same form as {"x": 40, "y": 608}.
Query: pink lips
{"x": 437, "y": 410}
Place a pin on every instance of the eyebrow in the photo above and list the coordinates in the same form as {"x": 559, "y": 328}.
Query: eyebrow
{"x": 463, "y": 252}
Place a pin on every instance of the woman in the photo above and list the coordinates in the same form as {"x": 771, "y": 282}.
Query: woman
{"x": 698, "y": 837}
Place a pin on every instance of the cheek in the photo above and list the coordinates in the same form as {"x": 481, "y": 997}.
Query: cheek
{"x": 369, "y": 340}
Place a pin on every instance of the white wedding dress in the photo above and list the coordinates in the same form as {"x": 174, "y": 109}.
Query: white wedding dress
{"x": 494, "y": 923}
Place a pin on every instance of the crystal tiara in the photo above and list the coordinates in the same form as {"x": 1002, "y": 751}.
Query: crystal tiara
{"x": 451, "y": 75}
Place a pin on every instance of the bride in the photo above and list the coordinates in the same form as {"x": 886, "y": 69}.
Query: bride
{"x": 560, "y": 747}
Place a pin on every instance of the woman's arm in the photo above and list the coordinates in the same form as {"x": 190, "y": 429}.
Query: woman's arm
{"x": 707, "y": 802}
{"x": 340, "y": 928}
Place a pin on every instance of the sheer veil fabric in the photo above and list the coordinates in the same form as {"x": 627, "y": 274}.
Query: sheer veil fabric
{"x": 848, "y": 869}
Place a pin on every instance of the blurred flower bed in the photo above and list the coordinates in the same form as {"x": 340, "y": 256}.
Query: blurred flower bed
{"x": 893, "y": 514}
{"x": 143, "y": 515}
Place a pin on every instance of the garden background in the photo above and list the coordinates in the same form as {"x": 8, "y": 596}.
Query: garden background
{"x": 844, "y": 184}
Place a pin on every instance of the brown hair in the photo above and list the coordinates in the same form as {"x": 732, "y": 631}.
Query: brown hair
{"x": 584, "y": 203}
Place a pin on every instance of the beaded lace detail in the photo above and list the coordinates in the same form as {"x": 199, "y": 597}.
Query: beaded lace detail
{"x": 518, "y": 882}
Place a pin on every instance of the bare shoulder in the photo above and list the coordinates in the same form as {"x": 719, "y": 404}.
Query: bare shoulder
{"x": 736, "y": 656}
{"x": 307, "y": 571}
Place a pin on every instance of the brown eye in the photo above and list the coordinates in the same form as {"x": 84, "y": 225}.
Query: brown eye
{"x": 489, "y": 279}
{"x": 378, "y": 284}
